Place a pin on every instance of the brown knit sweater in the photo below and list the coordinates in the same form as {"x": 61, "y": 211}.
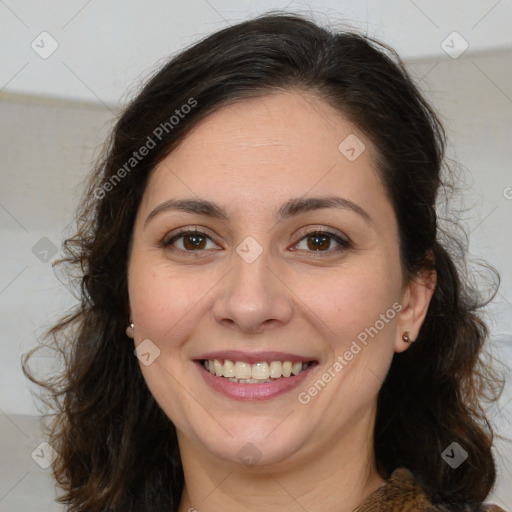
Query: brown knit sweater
{"x": 401, "y": 493}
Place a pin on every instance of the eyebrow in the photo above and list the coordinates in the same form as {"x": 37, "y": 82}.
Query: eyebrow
{"x": 291, "y": 208}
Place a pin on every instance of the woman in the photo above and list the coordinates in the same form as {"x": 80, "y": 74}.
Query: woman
{"x": 262, "y": 231}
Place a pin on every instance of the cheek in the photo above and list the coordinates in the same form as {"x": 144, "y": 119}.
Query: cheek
{"x": 351, "y": 298}
{"x": 358, "y": 311}
{"x": 164, "y": 300}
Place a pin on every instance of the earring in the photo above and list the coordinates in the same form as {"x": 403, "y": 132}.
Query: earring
{"x": 406, "y": 338}
{"x": 129, "y": 331}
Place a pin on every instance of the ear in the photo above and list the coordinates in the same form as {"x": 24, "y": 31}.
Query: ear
{"x": 415, "y": 299}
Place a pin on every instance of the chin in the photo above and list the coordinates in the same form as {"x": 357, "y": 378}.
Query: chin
{"x": 251, "y": 443}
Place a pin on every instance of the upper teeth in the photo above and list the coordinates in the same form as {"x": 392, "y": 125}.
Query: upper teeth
{"x": 258, "y": 371}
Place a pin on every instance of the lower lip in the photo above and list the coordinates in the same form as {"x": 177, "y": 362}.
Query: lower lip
{"x": 264, "y": 391}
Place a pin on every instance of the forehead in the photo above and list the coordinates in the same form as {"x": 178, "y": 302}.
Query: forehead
{"x": 271, "y": 147}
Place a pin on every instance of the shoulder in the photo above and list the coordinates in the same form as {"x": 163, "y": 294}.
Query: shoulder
{"x": 403, "y": 493}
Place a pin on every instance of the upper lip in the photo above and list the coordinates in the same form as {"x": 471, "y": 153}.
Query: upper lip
{"x": 254, "y": 357}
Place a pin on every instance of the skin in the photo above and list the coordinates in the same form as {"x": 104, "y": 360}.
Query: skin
{"x": 250, "y": 158}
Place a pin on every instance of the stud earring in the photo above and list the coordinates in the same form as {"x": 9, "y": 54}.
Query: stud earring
{"x": 129, "y": 331}
{"x": 406, "y": 338}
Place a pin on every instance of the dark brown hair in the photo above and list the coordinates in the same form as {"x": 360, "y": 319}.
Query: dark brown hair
{"x": 117, "y": 449}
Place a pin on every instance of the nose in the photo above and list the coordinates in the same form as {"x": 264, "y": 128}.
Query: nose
{"x": 252, "y": 297}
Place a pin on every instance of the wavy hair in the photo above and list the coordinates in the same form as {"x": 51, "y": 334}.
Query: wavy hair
{"x": 117, "y": 450}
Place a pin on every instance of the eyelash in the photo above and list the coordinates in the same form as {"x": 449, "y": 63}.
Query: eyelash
{"x": 344, "y": 243}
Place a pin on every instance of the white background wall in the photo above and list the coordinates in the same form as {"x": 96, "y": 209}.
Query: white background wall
{"x": 105, "y": 45}
{"x": 55, "y": 112}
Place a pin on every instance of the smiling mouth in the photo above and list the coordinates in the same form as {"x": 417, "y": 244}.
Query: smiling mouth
{"x": 257, "y": 373}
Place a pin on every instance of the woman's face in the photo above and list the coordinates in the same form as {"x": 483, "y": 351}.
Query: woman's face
{"x": 275, "y": 275}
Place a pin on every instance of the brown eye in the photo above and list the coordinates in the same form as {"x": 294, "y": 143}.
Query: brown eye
{"x": 194, "y": 241}
{"x": 322, "y": 241}
{"x": 318, "y": 242}
{"x": 188, "y": 241}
